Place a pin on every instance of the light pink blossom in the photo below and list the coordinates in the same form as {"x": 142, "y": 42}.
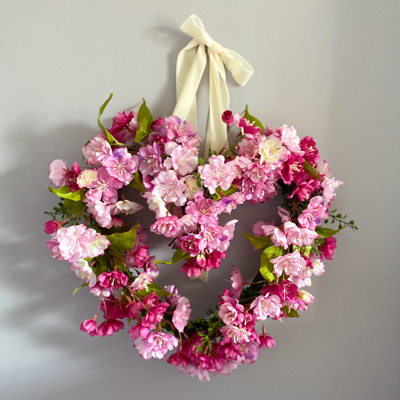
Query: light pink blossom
{"x": 291, "y": 263}
{"x": 265, "y": 306}
{"x": 58, "y": 173}
{"x": 169, "y": 188}
{"x": 84, "y": 272}
{"x": 181, "y": 314}
{"x": 217, "y": 173}
{"x": 96, "y": 151}
{"x": 166, "y": 226}
{"x": 121, "y": 165}
{"x": 156, "y": 345}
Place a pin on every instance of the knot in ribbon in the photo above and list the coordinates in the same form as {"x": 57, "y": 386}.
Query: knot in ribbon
{"x": 191, "y": 63}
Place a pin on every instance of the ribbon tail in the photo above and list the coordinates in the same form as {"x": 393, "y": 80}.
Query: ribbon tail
{"x": 219, "y": 101}
{"x": 189, "y": 71}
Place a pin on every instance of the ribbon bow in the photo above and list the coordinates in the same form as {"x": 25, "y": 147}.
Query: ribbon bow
{"x": 189, "y": 71}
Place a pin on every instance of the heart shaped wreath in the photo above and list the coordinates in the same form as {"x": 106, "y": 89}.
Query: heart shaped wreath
{"x": 160, "y": 158}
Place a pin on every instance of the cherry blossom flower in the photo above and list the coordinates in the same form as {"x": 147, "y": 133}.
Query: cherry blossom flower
{"x": 182, "y": 312}
{"x": 166, "y": 226}
{"x": 155, "y": 345}
{"x": 265, "y": 306}
{"x": 217, "y": 173}
{"x": 121, "y": 165}
{"x": 169, "y": 188}
{"x": 96, "y": 151}
{"x": 58, "y": 173}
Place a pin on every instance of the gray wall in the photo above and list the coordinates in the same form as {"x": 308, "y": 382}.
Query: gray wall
{"x": 329, "y": 67}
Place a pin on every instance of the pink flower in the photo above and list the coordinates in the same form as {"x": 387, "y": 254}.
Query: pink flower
{"x": 72, "y": 178}
{"x": 150, "y": 162}
{"x": 89, "y": 326}
{"x": 272, "y": 151}
{"x": 205, "y": 210}
{"x": 311, "y": 217}
{"x": 190, "y": 243}
{"x": 230, "y": 311}
{"x": 121, "y": 121}
{"x": 290, "y": 168}
{"x": 329, "y": 185}
{"x": 86, "y": 178}
{"x": 143, "y": 280}
{"x": 265, "y": 306}
{"x": 96, "y": 151}
{"x": 105, "y": 188}
{"x": 227, "y": 117}
{"x": 156, "y": 345}
{"x": 181, "y": 314}
{"x": 58, "y": 173}
{"x": 127, "y": 207}
{"x": 310, "y": 151}
{"x": 166, "y": 226}
{"x": 112, "y": 280}
{"x": 77, "y": 242}
{"x": 121, "y": 165}
{"x": 51, "y": 226}
{"x": 267, "y": 341}
{"x": 235, "y": 334}
{"x": 290, "y": 139}
{"x": 83, "y": 271}
{"x": 299, "y": 236}
{"x": 328, "y": 248}
{"x": 183, "y": 160}
{"x": 101, "y": 212}
{"x": 236, "y": 283}
{"x": 217, "y": 173}
{"x": 169, "y": 188}
{"x": 109, "y": 327}
{"x": 291, "y": 263}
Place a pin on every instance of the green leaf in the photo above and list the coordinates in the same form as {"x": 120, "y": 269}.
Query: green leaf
{"x": 73, "y": 207}
{"x": 137, "y": 183}
{"x": 310, "y": 169}
{"x": 143, "y": 131}
{"x": 326, "y": 232}
{"x": 79, "y": 287}
{"x": 219, "y": 193}
{"x": 65, "y": 193}
{"x": 266, "y": 273}
{"x": 290, "y": 313}
{"x": 153, "y": 287}
{"x": 125, "y": 240}
{"x": 145, "y": 119}
{"x": 144, "y": 113}
{"x": 260, "y": 243}
{"x": 110, "y": 138}
{"x": 306, "y": 250}
{"x": 266, "y": 267}
{"x": 101, "y": 265}
{"x": 178, "y": 256}
{"x": 250, "y": 118}
{"x": 201, "y": 161}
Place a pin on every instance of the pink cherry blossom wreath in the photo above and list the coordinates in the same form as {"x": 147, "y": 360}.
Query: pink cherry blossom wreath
{"x": 160, "y": 158}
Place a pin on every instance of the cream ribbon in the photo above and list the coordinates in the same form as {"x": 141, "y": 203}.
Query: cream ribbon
{"x": 189, "y": 71}
{"x": 190, "y": 67}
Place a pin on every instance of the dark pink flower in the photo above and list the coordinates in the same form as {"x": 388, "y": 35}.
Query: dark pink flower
{"x": 267, "y": 341}
{"x": 328, "y": 248}
{"x": 51, "y": 226}
{"x": 311, "y": 154}
{"x": 109, "y": 326}
{"x": 89, "y": 326}
{"x": 227, "y": 117}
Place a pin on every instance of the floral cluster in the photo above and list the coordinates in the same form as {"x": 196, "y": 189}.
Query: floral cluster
{"x": 160, "y": 158}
